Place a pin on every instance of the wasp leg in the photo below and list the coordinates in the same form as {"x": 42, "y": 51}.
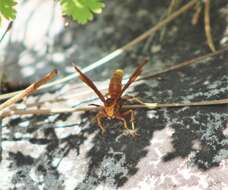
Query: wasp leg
{"x": 119, "y": 117}
{"x": 132, "y": 117}
{"x": 132, "y": 131}
{"x": 98, "y": 118}
{"x": 133, "y": 98}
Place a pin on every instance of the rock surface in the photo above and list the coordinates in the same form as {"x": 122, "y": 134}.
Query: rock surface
{"x": 178, "y": 148}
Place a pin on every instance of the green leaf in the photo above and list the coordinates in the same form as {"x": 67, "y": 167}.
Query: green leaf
{"x": 7, "y": 9}
{"x": 81, "y": 10}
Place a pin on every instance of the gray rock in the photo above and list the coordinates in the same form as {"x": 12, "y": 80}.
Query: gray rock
{"x": 178, "y": 148}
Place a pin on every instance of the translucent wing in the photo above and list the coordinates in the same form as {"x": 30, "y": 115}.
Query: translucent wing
{"x": 90, "y": 83}
{"x": 134, "y": 75}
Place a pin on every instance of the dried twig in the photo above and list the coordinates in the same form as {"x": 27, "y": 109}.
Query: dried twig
{"x": 30, "y": 89}
{"x": 196, "y": 60}
{"x": 119, "y": 51}
{"x": 185, "y": 63}
{"x": 7, "y": 30}
{"x": 208, "y": 26}
{"x": 196, "y": 16}
{"x": 201, "y": 103}
{"x": 160, "y": 25}
{"x": 172, "y": 7}
{"x": 45, "y": 111}
{"x": 90, "y": 108}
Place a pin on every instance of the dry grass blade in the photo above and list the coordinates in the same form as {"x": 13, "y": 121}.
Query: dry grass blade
{"x": 158, "y": 26}
{"x": 147, "y": 76}
{"x": 172, "y": 7}
{"x": 196, "y": 16}
{"x": 119, "y": 51}
{"x": 202, "y": 103}
{"x": 7, "y": 30}
{"x": 89, "y": 108}
{"x": 208, "y": 26}
{"x": 30, "y": 89}
{"x": 46, "y": 111}
{"x": 186, "y": 63}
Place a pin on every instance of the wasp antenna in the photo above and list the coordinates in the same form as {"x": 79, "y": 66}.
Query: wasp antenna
{"x": 74, "y": 65}
{"x": 79, "y": 71}
{"x": 96, "y": 105}
{"x": 144, "y": 60}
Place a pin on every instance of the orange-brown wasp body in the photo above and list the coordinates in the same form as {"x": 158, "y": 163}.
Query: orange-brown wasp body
{"x": 112, "y": 100}
{"x": 115, "y": 85}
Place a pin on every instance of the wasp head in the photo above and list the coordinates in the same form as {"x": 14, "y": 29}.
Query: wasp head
{"x": 109, "y": 108}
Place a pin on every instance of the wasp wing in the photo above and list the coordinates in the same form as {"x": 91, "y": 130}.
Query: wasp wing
{"x": 90, "y": 83}
{"x": 134, "y": 75}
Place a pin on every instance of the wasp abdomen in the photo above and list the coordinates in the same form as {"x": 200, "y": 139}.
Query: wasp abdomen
{"x": 115, "y": 84}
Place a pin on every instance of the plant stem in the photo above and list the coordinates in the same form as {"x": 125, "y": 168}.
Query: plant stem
{"x": 29, "y": 90}
{"x": 90, "y": 108}
{"x": 117, "y": 52}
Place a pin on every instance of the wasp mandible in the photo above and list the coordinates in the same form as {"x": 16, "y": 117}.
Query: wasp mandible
{"x": 112, "y": 100}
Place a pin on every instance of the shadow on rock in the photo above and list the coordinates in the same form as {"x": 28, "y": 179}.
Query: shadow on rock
{"x": 114, "y": 156}
{"x": 201, "y": 135}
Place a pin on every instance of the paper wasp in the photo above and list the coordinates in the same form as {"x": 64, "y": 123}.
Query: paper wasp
{"x": 112, "y": 100}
